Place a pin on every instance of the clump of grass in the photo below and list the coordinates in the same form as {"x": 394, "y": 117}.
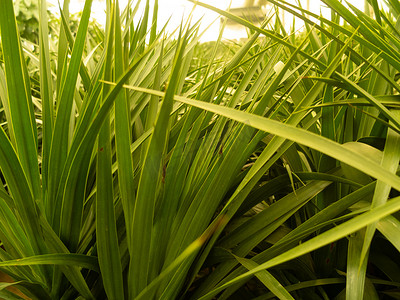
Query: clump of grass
{"x": 136, "y": 165}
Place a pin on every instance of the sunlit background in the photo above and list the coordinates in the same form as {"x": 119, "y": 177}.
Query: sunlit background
{"x": 174, "y": 11}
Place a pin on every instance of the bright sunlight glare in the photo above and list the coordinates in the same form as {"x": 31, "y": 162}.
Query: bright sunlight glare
{"x": 174, "y": 11}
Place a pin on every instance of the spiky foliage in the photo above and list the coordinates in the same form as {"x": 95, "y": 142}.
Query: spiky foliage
{"x": 136, "y": 165}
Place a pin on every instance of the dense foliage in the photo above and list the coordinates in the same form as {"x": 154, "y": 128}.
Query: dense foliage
{"x": 137, "y": 165}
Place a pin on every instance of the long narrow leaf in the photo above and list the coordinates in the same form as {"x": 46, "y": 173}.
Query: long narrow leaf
{"x": 290, "y": 132}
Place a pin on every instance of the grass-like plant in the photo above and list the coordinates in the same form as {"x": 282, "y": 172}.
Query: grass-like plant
{"x": 135, "y": 165}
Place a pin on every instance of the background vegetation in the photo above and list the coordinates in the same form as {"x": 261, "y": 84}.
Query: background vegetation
{"x": 136, "y": 165}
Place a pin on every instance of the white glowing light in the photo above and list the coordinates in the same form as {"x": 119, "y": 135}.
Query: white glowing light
{"x": 174, "y": 11}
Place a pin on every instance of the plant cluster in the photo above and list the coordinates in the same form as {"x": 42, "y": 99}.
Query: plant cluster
{"x": 137, "y": 165}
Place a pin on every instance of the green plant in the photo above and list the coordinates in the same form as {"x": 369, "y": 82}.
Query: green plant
{"x": 147, "y": 167}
